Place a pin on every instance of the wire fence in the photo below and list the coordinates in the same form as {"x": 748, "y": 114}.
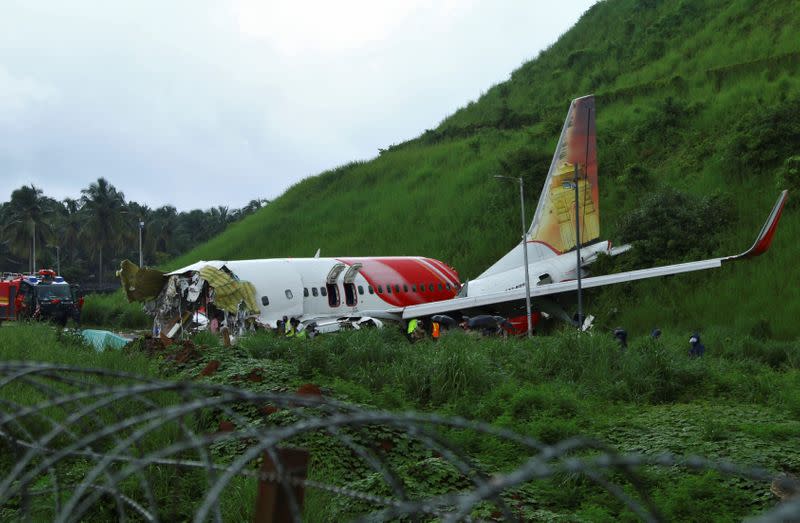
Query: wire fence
{"x": 80, "y": 444}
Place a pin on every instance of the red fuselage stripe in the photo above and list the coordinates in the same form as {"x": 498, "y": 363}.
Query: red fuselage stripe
{"x": 407, "y": 273}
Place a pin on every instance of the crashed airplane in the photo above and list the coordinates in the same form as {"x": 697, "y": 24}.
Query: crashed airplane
{"x": 338, "y": 292}
{"x": 332, "y": 292}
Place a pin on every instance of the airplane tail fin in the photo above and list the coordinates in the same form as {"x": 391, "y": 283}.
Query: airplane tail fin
{"x": 554, "y": 220}
{"x": 552, "y": 231}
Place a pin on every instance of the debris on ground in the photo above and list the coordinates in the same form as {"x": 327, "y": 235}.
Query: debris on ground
{"x": 102, "y": 339}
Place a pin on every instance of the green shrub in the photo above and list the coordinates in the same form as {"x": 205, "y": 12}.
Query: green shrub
{"x": 670, "y": 226}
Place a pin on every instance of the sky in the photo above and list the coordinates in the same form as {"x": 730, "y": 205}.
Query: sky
{"x": 198, "y": 103}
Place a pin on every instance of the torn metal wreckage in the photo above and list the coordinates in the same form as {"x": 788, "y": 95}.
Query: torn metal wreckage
{"x": 208, "y": 296}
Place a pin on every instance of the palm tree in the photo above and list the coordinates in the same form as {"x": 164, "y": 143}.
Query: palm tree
{"x": 161, "y": 234}
{"x": 68, "y": 226}
{"x": 25, "y": 224}
{"x": 103, "y": 208}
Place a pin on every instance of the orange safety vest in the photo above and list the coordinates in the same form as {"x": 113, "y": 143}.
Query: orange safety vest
{"x": 435, "y": 330}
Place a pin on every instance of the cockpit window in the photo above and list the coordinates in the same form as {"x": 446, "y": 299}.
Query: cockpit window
{"x": 264, "y": 301}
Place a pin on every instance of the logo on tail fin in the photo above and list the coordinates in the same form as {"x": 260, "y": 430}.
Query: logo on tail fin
{"x": 554, "y": 221}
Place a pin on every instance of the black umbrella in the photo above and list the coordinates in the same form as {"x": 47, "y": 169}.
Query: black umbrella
{"x": 484, "y": 321}
{"x": 443, "y": 319}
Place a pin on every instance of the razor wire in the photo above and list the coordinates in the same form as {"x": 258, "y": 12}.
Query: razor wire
{"x": 78, "y": 442}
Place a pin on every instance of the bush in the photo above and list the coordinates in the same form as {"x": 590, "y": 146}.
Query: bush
{"x": 765, "y": 137}
{"x": 671, "y": 226}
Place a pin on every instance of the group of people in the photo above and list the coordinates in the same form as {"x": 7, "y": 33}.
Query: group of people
{"x": 291, "y": 328}
{"x": 696, "y": 348}
{"x": 437, "y": 325}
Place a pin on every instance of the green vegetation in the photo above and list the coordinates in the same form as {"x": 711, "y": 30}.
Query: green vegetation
{"x": 114, "y": 311}
{"x": 739, "y": 403}
{"x": 697, "y": 98}
{"x": 92, "y": 234}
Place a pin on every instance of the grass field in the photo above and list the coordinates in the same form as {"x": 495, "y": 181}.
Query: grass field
{"x": 741, "y": 402}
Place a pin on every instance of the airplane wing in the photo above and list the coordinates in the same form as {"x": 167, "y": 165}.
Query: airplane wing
{"x": 759, "y": 247}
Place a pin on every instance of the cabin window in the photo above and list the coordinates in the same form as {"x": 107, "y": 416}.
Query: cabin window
{"x": 350, "y": 296}
{"x": 323, "y": 291}
{"x": 305, "y": 292}
{"x": 314, "y": 291}
{"x": 405, "y": 288}
{"x": 430, "y": 287}
{"x": 396, "y": 288}
{"x": 448, "y": 286}
{"x": 380, "y": 289}
{"x": 361, "y": 289}
{"x": 370, "y": 289}
{"x": 264, "y": 301}
{"x": 289, "y": 294}
{"x": 441, "y": 287}
{"x": 389, "y": 289}
{"x": 333, "y": 294}
{"x": 414, "y": 288}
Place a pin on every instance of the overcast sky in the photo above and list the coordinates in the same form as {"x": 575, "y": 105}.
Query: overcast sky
{"x": 199, "y": 103}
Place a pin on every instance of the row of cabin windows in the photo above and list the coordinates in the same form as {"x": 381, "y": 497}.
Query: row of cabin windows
{"x": 323, "y": 291}
{"x": 431, "y": 287}
{"x": 350, "y": 293}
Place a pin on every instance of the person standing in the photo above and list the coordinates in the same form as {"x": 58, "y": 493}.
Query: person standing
{"x": 696, "y": 349}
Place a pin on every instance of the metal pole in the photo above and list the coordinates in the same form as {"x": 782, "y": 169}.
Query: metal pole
{"x": 578, "y": 248}
{"x": 58, "y": 260}
{"x": 141, "y": 256}
{"x": 525, "y": 257}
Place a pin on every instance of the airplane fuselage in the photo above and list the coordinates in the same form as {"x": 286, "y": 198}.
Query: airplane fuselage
{"x": 317, "y": 288}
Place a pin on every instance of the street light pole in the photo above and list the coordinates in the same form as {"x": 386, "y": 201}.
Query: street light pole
{"x": 141, "y": 255}
{"x": 33, "y": 261}
{"x": 578, "y": 248}
{"x": 524, "y": 251}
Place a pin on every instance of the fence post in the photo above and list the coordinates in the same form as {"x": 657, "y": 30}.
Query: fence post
{"x": 272, "y": 502}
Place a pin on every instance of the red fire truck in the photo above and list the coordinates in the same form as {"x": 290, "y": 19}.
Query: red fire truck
{"x": 40, "y": 296}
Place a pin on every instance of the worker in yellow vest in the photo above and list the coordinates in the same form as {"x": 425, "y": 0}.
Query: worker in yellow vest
{"x": 413, "y": 330}
{"x": 292, "y": 331}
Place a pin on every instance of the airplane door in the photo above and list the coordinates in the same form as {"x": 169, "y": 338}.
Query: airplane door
{"x": 333, "y": 289}
{"x": 350, "y": 295}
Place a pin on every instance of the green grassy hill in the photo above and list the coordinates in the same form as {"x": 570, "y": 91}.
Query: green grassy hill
{"x": 702, "y": 96}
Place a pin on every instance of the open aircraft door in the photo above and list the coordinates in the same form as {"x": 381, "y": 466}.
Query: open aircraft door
{"x": 334, "y": 299}
{"x": 350, "y": 294}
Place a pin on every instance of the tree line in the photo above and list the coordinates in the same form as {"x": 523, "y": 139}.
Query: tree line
{"x": 85, "y": 237}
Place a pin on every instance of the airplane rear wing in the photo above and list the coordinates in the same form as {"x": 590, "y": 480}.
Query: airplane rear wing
{"x": 760, "y": 246}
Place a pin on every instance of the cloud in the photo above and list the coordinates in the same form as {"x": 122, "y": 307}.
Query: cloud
{"x": 18, "y": 95}
{"x": 167, "y": 99}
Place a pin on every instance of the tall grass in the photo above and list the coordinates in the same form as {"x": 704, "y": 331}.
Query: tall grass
{"x": 113, "y": 310}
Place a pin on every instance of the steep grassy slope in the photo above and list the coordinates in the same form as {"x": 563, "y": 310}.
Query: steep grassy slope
{"x": 699, "y": 95}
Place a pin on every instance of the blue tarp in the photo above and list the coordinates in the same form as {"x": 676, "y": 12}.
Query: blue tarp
{"x": 101, "y": 339}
